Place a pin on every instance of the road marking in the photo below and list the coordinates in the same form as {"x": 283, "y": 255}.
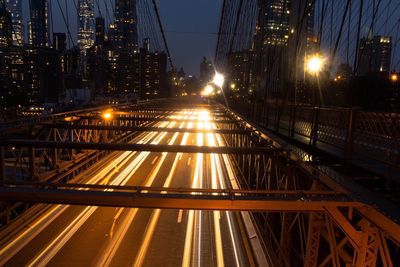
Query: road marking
{"x": 154, "y": 160}
{"x": 189, "y": 159}
{"x": 119, "y": 211}
{"x": 180, "y": 216}
{"x": 151, "y": 226}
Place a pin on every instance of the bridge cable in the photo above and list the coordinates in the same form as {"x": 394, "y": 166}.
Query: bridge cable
{"x": 163, "y": 34}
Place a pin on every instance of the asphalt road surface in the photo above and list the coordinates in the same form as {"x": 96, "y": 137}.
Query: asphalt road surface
{"x": 97, "y": 236}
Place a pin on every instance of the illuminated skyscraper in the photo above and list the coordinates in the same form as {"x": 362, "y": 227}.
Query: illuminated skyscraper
{"x": 125, "y": 24}
{"x": 284, "y": 30}
{"x": 39, "y": 24}
{"x": 86, "y": 24}
{"x": 15, "y": 8}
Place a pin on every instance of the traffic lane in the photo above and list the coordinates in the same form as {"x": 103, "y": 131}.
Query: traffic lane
{"x": 139, "y": 177}
{"x": 98, "y": 229}
{"x": 61, "y": 223}
{"x": 132, "y": 243}
{"x": 239, "y": 249}
{"x": 167, "y": 245}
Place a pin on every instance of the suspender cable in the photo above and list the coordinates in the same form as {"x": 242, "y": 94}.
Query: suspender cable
{"x": 163, "y": 34}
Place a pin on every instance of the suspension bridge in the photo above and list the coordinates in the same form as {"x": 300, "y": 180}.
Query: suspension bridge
{"x": 251, "y": 177}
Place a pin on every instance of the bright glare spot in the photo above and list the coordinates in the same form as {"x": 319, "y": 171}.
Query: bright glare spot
{"x": 208, "y": 90}
{"x": 233, "y": 86}
{"x": 394, "y": 77}
{"x": 107, "y": 115}
{"x": 315, "y": 64}
{"x": 219, "y": 79}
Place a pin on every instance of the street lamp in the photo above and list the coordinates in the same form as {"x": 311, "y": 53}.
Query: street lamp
{"x": 394, "y": 77}
{"x": 208, "y": 90}
{"x": 218, "y": 80}
{"x": 107, "y": 115}
{"x": 315, "y": 64}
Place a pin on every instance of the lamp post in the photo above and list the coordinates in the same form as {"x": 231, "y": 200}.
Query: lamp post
{"x": 314, "y": 66}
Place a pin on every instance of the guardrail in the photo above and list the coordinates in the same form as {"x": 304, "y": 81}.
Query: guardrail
{"x": 355, "y": 133}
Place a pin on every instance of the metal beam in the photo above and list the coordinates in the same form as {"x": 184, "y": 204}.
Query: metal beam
{"x": 390, "y": 227}
{"x": 144, "y": 129}
{"x": 137, "y": 147}
{"x": 298, "y": 194}
{"x": 139, "y": 199}
{"x": 225, "y": 121}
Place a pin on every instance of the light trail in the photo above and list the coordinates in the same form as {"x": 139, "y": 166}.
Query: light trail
{"x": 156, "y": 214}
{"x": 196, "y": 183}
{"x": 234, "y": 184}
{"x": 13, "y": 247}
{"x": 52, "y": 249}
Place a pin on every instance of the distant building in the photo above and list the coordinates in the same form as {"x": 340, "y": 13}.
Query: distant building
{"x": 206, "y": 70}
{"x": 100, "y": 30}
{"x": 374, "y": 55}
{"x": 241, "y": 73}
{"x": 153, "y": 73}
{"x": 344, "y": 72}
{"x": 5, "y": 28}
{"x": 278, "y": 41}
{"x": 125, "y": 35}
{"x": 38, "y": 35}
{"x": 43, "y": 75}
{"x": 71, "y": 68}
{"x": 126, "y": 69}
{"x": 12, "y": 76}
{"x": 86, "y": 24}
{"x": 15, "y": 8}
{"x": 60, "y": 41}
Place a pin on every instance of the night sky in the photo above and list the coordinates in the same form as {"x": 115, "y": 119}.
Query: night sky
{"x": 191, "y": 27}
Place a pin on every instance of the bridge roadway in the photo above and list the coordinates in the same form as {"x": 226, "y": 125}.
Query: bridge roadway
{"x": 77, "y": 235}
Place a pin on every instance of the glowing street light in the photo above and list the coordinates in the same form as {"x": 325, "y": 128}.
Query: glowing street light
{"x": 315, "y": 64}
{"x": 218, "y": 79}
{"x": 208, "y": 90}
{"x": 107, "y": 115}
{"x": 394, "y": 77}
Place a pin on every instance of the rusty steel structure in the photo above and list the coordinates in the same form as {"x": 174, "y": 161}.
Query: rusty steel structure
{"x": 306, "y": 211}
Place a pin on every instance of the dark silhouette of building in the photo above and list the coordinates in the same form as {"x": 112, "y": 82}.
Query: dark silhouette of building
{"x": 241, "y": 73}
{"x": 71, "y": 68}
{"x": 125, "y": 35}
{"x": 100, "y": 30}
{"x": 206, "y": 70}
{"x": 281, "y": 44}
{"x": 15, "y": 8}
{"x": 43, "y": 75}
{"x": 153, "y": 73}
{"x": 344, "y": 72}
{"x": 60, "y": 41}
{"x": 101, "y": 62}
{"x": 374, "y": 55}
{"x": 39, "y": 23}
{"x": 5, "y": 28}
{"x": 12, "y": 77}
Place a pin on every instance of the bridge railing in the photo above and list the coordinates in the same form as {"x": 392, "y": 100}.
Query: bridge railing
{"x": 354, "y": 133}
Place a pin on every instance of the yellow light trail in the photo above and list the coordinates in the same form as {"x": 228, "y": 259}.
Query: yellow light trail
{"x": 156, "y": 214}
{"x": 52, "y": 249}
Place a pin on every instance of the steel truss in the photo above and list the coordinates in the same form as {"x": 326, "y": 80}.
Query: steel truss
{"x": 341, "y": 233}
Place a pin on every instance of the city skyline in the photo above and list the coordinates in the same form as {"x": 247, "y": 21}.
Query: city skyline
{"x": 190, "y": 37}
